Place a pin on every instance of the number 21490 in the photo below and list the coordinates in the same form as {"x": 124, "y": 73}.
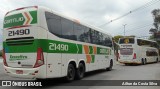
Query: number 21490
{"x": 59, "y": 47}
{"x": 19, "y": 32}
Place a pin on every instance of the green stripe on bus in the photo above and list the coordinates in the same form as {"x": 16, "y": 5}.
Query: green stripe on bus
{"x": 80, "y": 49}
{"x": 50, "y": 46}
{"x": 103, "y": 51}
{"x": 90, "y": 50}
{"x": 93, "y": 58}
{"x": 62, "y": 47}
{"x": 10, "y": 48}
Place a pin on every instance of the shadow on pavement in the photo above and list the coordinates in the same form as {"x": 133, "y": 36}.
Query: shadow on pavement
{"x": 62, "y": 82}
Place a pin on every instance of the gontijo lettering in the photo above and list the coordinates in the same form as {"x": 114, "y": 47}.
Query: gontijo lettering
{"x": 14, "y": 20}
{"x": 24, "y": 18}
{"x": 20, "y": 57}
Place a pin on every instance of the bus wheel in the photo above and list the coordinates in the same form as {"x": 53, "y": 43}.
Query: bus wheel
{"x": 157, "y": 60}
{"x": 110, "y": 66}
{"x": 143, "y": 62}
{"x": 80, "y": 71}
{"x": 70, "y": 73}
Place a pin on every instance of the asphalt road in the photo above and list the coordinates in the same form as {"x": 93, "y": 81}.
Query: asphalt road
{"x": 120, "y": 72}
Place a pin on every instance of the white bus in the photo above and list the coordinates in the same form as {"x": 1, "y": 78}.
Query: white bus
{"x": 134, "y": 50}
{"x": 40, "y": 43}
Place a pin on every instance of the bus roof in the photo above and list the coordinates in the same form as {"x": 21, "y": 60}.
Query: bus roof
{"x": 146, "y": 39}
{"x": 138, "y": 38}
{"x": 59, "y": 14}
{"x": 74, "y": 20}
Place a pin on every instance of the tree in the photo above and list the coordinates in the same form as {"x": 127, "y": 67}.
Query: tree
{"x": 116, "y": 38}
{"x": 156, "y": 23}
{"x": 153, "y": 30}
{"x": 156, "y": 17}
{"x": 151, "y": 37}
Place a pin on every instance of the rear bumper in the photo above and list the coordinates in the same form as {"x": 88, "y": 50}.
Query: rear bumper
{"x": 28, "y": 73}
{"x": 131, "y": 61}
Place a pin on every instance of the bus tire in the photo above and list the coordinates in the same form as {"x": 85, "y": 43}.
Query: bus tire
{"x": 80, "y": 71}
{"x": 143, "y": 61}
{"x": 157, "y": 60}
{"x": 110, "y": 66}
{"x": 70, "y": 73}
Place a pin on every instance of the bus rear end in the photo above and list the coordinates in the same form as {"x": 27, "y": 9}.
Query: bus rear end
{"x": 127, "y": 52}
{"x": 22, "y": 51}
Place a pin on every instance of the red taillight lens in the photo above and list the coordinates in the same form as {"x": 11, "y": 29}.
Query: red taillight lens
{"x": 19, "y": 8}
{"x": 22, "y": 8}
{"x": 40, "y": 58}
{"x": 134, "y": 56}
{"x": 4, "y": 58}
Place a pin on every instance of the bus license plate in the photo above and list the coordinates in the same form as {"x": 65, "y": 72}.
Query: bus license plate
{"x": 19, "y": 71}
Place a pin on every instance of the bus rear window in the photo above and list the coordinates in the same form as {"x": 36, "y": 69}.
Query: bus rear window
{"x": 126, "y": 41}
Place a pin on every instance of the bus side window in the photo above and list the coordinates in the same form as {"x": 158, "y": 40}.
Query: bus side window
{"x": 53, "y": 23}
{"x": 67, "y": 29}
{"x": 95, "y": 38}
{"x": 87, "y": 35}
{"x": 138, "y": 42}
{"x": 79, "y": 32}
{"x": 100, "y": 42}
{"x": 107, "y": 40}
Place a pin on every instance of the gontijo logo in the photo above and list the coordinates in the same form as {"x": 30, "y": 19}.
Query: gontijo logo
{"x": 24, "y": 18}
{"x": 19, "y": 57}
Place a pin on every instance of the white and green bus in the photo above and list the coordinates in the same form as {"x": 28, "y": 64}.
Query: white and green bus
{"x": 134, "y": 50}
{"x": 40, "y": 43}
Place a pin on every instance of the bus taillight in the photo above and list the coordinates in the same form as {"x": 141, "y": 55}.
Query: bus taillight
{"x": 4, "y": 58}
{"x": 134, "y": 56}
{"x": 40, "y": 58}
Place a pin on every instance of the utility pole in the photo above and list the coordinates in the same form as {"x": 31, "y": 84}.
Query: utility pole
{"x": 124, "y": 29}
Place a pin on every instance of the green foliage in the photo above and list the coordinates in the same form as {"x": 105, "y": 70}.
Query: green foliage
{"x": 156, "y": 17}
{"x": 116, "y": 38}
{"x": 151, "y": 37}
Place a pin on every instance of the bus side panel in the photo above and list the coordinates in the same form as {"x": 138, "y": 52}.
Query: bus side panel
{"x": 102, "y": 61}
{"x": 69, "y": 53}
{"x": 54, "y": 59}
{"x": 54, "y": 65}
{"x": 98, "y": 61}
{"x": 138, "y": 51}
{"x": 66, "y": 59}
{"x": 151, "y": 57}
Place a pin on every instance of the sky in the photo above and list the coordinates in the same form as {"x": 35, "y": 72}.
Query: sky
{"x": 97, "y": 13}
